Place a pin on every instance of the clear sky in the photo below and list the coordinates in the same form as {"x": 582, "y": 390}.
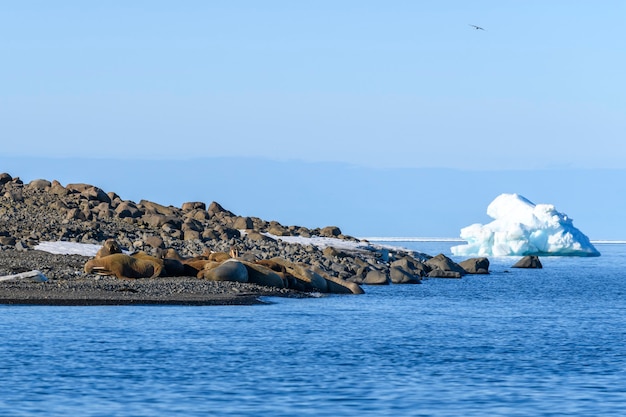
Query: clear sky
{"x": 393, "y": 83}
{"x": 382, "y": 85}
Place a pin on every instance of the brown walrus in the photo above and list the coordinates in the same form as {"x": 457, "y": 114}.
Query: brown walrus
{"x": 124, "y": 266}
{"x": 171, "y": 253}
{"x": 221, "y": 256}
{"x": 109, "y": 247}
{"x": 229, "y": 270}
{"x": 273, "y": 265}
{"x": 169, "y": 267}
{"x": 191, "y": 265}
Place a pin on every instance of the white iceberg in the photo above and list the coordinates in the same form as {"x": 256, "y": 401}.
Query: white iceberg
{"x": 522, "y": 228}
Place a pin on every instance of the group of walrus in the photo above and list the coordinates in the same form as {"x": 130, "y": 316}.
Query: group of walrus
{"x": 216, "y": 266}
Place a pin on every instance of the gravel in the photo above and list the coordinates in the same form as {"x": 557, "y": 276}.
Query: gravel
{"x": 68, "y": 285}
{"x": 43, "y": 211}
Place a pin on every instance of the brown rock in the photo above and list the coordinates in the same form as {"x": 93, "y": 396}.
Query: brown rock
{"x": 375, "y": 277}
{"x": 258, "y": 237}
{"x": 155, "y": 208}
{"x": 191, "y": 235}
{"x": 4, "y": 178}
{"x": 330, "y": 231}
{"x": 444, "y": 263}
{"x": 529, "y": 261}
{"x": 277, "y": 229}
{"x": 39, "y": 184}
{"x": 401, "y": 276}
{"x": 127, "y": 209}
{"x": 95, "y": 193}
{"x": 154, "y": 220}
{"x": 193, "y": 205}
{"x": 210, "y": 234}
{"x": 191, "y": 224}
{"x": 438, "y": 273}
{"x": 155, "y": 242}
{"x": 412, "y": 266}
{"x": 200, "y": 215}
{"x": 243, "y": 223}
{"x": 475, "y": 265}
{"x": 216, "y": 208}
{"x": 78, "y": 187}
{"x": 57, "y": 189}
{"x": 7, "y": 241}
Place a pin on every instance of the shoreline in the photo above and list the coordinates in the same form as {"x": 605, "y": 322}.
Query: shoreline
{"x": 93, "y": 302}
{"x": 291, "y": 261}
{"x": 148, "y": 292}
{"x": 65, "y": 301}
{"x": 68, "y": 285}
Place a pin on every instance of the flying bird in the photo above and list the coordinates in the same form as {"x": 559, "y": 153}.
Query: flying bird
{"x": 477, "y": 27}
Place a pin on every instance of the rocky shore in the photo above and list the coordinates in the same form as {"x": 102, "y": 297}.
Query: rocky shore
{"x": 43, "y": 211}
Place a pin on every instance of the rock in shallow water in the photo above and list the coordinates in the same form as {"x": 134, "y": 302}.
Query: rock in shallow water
{"x": 530, "y": 261}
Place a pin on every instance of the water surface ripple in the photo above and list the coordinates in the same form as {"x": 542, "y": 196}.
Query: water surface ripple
{"x": 548, "y": 342}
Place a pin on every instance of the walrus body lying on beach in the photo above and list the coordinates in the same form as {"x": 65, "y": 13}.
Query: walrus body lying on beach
{"x": 125, "y": 266}
{"x": 217, "y": 266}
{"x": 191, "y": 265}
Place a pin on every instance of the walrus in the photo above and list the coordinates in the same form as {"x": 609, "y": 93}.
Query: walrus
{"x": 229, "y": 270}
{"x": 289, "y": 280}
{"x": 109, "y": 247}
{"x": 173, "y": 268}
{"x": 171, "y": 253}
{"x": 169, "y": 267}
{"x": 191, "y": 265}
{"x": 273, "y": 265}
{"x": 221, "y": 256}
{"x": 298, "y": 275}
{"x": 124, "y": 266}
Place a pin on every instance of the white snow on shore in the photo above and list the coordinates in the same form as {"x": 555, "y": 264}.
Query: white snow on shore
{"x": 69, "y": 248}
{"x": 321, "y": 242}
{"x": 90, "y": 249}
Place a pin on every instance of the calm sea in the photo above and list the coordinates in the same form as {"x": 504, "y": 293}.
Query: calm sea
{"x": 549, "y": 342}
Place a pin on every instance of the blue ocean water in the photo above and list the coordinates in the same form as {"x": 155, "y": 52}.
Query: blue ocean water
{"x": 549, "y": 342}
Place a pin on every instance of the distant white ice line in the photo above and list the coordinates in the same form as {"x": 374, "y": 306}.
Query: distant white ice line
{"x": 411, "y": 239}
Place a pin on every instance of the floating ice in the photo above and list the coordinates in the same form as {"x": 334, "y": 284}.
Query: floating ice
{"x": 522, "y": 228}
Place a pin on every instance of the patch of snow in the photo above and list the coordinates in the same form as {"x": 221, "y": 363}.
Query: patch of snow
{"x": 69, "y": 248}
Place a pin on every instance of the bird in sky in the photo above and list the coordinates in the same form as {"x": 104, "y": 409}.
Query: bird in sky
{"x": 476, "y": 27}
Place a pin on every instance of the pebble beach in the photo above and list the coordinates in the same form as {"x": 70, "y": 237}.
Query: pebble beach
{"x": 68, "y": 285}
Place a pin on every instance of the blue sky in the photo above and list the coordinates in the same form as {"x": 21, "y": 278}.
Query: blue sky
{"x": 384, "y": 85}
